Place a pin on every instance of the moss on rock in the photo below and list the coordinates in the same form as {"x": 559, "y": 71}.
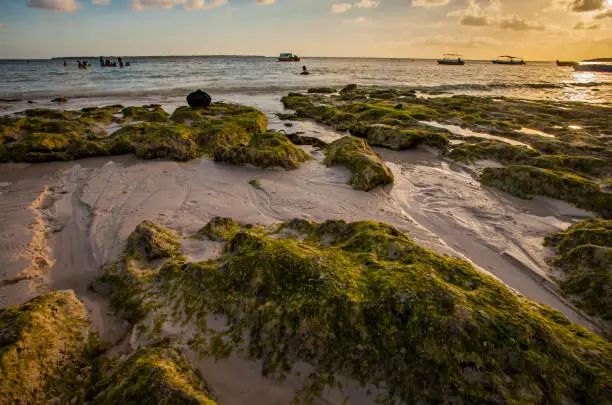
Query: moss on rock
{"x": 321, "y": 90}
{"x": 42, "y": 344}
{"x": 527, "y": 181}
{"x": 264, "y": 150}
{"x": 369, "y": 171}
{"x": 150, "y": 241}
{"x": 150, "y": 113}
{"x": 585, "y": 260}
{"x": 398, "y": 139}
{"x": 156, "y": 140}
{"x": 420, "y": 326}
{"x": 220, "y": 228}
{"x": 151, "y": 375}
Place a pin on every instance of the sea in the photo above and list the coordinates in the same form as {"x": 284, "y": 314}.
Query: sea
{"x": 261, "y": 81}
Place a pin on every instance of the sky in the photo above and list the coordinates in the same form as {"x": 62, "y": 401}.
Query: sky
{"x": 478, "y": 29}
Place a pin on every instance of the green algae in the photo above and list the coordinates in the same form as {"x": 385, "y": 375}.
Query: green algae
{"x": 527, "y": 181}
{"x": 321, "y": 90}
{"x": 152, "y": 375}
{"x": 156, "y": 140}
{"x": 298, "y": 139}
{"x": 151, "y": 113}
{"x": 584, "y": 256}
{"x": 42, "y": 345}
{"x": 264, "y": 150}
{"x": 222, "y": 229}
{"x": 43, "y": 135}
{"x": 150, "y": 241}
{"x": 398, "y": 139}
{"x": 369, "y": 171}
{"x": 420, "y": 326}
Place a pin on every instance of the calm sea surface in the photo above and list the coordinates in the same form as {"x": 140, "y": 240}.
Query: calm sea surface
{"x": 168, "y": 80}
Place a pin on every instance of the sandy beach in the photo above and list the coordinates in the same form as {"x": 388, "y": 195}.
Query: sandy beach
{"x": 63, "y": 221}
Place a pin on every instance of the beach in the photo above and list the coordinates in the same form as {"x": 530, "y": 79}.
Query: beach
{"x": 63, "y": 221}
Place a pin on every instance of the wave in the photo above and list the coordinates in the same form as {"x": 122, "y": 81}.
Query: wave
{"x": 512, "y": 86}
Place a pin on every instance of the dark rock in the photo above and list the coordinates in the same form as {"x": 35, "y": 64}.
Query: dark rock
{"x": 198, "y": 99}
{"x": 59, "y": 100}
{"x": 349, "y": 88}
{"x": 31, "y": 102}
{"x": 297, "y": 139}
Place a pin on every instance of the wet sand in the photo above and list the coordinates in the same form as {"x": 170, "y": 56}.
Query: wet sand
{"x": 62, "y": 221}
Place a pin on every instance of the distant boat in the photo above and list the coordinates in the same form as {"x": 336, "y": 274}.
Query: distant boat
{"x": 452, "y": 59}
{"x": 509, "y": 60}
{"x": 561, "y": 63}
{"x": 288, "y": 57}
{"x": 593, "y": 67}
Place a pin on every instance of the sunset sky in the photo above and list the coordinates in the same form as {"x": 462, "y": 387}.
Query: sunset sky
{"x": 479, "y": 29}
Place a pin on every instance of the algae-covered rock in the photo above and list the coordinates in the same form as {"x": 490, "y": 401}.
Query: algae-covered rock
{"x": 363, "y": 301}
{"x": 349, "y": 88}
{"x": 593, "y": 231}
{"x": 298, "y": 139}
{"x": 587, "y": 278}
{"x": 222, "y": 126}
{"x": 156, "y": 140}
{"x": 321, "y": 90}
{"x": 42, "y": 344}
{"x": 151, "y": 375}
{"x": 220, "y": 228}
{"x": 150, "y": 241}
{"x": 151, "y": 113}
{"x": 527, "y": 181}
{"x": 585, "y": 260}
{"x": 369, "y": 171}
{"x": 398, "y": 139}
{"x": 264, "y": 150}
{"x": 502, "y": 152}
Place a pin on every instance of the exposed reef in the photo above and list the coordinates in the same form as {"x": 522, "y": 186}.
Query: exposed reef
{"x": 43, "y": 344}
{"x": 265, "y": 149}
{"x": 151, "y": 375}
{"x": 362, "y": 300}
{"x": 527, "y": 181}
{"x": 584, "y": 257}
{"x": 369, "y": 171}
{"x": 226, "y": 132}
{"x": 561, "y": 144}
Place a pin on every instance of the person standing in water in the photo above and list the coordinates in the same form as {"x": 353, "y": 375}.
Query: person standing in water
{"x": 304, "y": 71}
{"x": 101, "y": 62}
{"x": 120, "y": 61}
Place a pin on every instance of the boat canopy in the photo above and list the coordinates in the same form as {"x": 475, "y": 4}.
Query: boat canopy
{"x": 287, "y": 55}
{"x": 509, "y": 57}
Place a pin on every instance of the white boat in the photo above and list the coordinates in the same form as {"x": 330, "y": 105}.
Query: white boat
{"x": 288, "y": 57}
{"x": 509, "y": 60}
{"x": 596, "y": 65}
{"x": 451, "y": 59}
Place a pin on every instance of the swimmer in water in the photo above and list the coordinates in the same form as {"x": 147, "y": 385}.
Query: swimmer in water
{"x": 304, "y": 71}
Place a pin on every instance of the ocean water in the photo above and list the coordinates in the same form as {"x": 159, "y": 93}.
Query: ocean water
{"x": 169, "y": 80}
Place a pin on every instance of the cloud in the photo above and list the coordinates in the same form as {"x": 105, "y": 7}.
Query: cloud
{"x": 455, "y": 43}
{"x": 582, "y": 6}
{"x": 101, "y": 2}
{"x": 341, "y": 7}
{"x": 605, "y": 14}
{"x": 358, "y": 20}
{"x": 344, "y": 7}
{"x": 475, "y": 21}
{"x": 476, "y": 14}
{"x": 583, "y": 26}
{"x": 204, "y": 4}
{"x": 517, "y": 23}
{"x": 265, "y": 2}
{"x": 55, "y": 5}
{"x": 166, "y": 4}
{"x": 429, "y": 3}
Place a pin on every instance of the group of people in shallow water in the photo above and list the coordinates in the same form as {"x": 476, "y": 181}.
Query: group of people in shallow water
{"x": 103, "y": 63}
{"x": 108, "y": 63}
